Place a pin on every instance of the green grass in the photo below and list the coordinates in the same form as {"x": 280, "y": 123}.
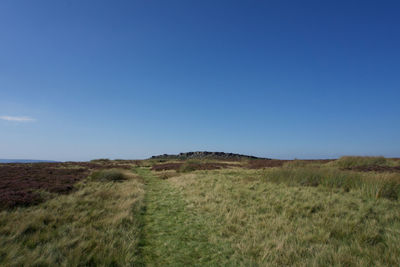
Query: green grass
{"x": 175, "y": 234}
{"x": 96, "y": 225}
{"x": 278, "y": 225}
{"x": 301, "y": 214}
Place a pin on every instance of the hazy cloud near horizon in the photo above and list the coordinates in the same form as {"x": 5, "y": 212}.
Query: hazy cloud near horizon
{"x": 17, "y": 118}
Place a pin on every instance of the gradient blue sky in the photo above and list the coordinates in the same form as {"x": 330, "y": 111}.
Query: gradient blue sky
{"x": 129, "y": 79}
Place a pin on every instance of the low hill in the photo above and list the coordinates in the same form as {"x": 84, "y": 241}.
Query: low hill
{"x": 205, "y": 155}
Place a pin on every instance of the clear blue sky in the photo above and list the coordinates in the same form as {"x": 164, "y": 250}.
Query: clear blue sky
{"x": 128, "y": 79}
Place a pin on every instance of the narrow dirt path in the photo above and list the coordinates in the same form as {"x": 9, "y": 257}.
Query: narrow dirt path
{"x": 172, "y": 234}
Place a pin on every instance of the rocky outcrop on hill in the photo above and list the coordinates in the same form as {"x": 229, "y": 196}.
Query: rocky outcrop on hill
{"x": 205, "y": 155}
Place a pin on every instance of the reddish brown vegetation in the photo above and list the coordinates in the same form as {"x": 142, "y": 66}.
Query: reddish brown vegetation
{"x": 86, "y": 165}
{"x": 375, "y": 169}
{"x": 265, "y": 163}
{"x": 20, "y": 183}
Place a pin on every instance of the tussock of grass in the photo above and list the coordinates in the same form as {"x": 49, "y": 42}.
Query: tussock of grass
{"x": 190, "y": 165}
{"x": 98, "y": 225}
{"x": 353, "y": 161}
{"x": 110, "y": 175}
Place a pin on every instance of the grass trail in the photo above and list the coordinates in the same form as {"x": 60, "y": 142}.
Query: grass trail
{"x": 173, "y": 234}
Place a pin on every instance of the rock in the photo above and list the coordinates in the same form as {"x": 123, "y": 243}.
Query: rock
{"x": 206, "y": 154}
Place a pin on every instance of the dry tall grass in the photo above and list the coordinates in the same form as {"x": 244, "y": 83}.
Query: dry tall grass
{"x": 380, "y": 185}
{"x": 273, "y": 224}
{"x": 96, "y": 225}
{"x": 304, "y": 213}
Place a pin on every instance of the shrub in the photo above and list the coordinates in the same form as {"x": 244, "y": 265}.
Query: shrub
{"x": 111, "y": 175}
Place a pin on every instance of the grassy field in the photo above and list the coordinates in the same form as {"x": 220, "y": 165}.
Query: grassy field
{"x": 215, "y": 213}
{"x": 96, "y": 225}
{"x": 268, "y": 223}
